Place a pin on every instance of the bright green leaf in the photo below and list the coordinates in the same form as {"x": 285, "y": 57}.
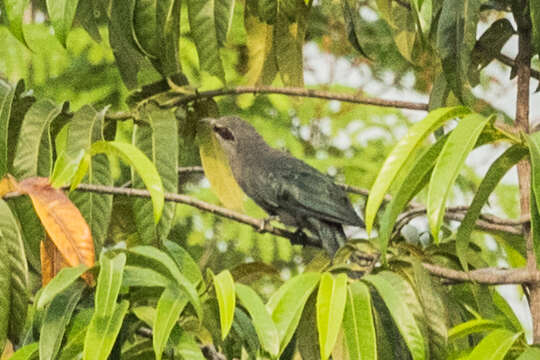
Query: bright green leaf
{"x": 495, "y": 346}
{"x": 61, "y": 14}
{"x": 169, "y": 306}
{"x": 59, "y": 283}
{"x": 331, "y": 300}
{"x": 531, "y": 353}
{"x": 226, "y": 296}
{"x": 358, "y": 323}
{"x": 471, "y": 327}
{"x": 13, "y": 12}
{"x": 404, "y": 149}
{"x": 27, "y": 352}
{"x": 185, "y": 262}
{"x": 452, "y": 157}
{"x": 108, "y": 284}
{"x": 144, "y": 167}
{"x": 6, "y": 98}
{"x": 262, "y": 321}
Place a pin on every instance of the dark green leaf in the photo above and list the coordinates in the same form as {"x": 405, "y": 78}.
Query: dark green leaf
{"x": 494, "y": 175}
{"x": 223, "y": 13}
{"x": 74, "y": 344}
{"x": 185, "y": 262}
{"x": 143, "y": 277}
{"x": 168, "y": 31}
{"x": 289, "y": 32}
{"x": 55, "y": 320}
{"x": 203, "y": 29}
{"x": 5, "y": 293}
{"x": 86, "y": 16}
{"x": 353, "y": 21}
{"x": 29, "y": 152}
{"x": 6, "y": 98}
{"x": 59, "y": 283}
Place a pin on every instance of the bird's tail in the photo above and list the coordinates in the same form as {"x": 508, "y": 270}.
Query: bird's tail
{"x": 330, "y": 234}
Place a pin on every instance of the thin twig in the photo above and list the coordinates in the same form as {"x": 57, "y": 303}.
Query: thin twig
{"x": 291, "y": 91}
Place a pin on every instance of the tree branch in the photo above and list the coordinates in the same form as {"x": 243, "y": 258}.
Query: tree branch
{"x": 291, "y": 91}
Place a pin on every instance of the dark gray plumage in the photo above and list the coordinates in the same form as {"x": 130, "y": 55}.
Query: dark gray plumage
{"x": 284, "y": 186}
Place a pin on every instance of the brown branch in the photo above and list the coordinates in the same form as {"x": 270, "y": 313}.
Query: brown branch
{"x": 291, "y": 91}
{"x": 507, "y": 60}
{"x": 488, "y": 276}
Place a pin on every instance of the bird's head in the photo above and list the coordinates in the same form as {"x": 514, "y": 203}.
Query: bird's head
{"x": 234, "y": 134}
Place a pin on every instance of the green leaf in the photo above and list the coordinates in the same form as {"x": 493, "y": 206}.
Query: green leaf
{"x": 158, "y": 140}
{"x": 108, "y": 284}
{"x": 402, "y": 315}
{"x": 531, "y": 353}
{"x": 401, "y": 153}
{"x": 188, "y": 347}
{"x": 358, "y": 323}
{"x": 5, "y": 294}
{"x": 59, "y": 283}
{"x": 184, "y": 261}
{"x": 353, "y": 22}
{"x": 85, "y": 15}
{"x": 169, "y": 306}
{"x": 33, "y": 137}
{"x": 456, "y": 36}
{"x": 262, "y": 67}
{"x": 203, "y": 30}
{"x": 217, "y": 170}
{"x": 488, "y": 47}
{"x": 144, "y": 27}
{"x": 7, "y": 93}
{"x": 102, "y": 333}
{"x": 55, "y": 320}
{"x": 27, "y": 352}
{"x": 223, "y": 13}
{"x": 10, "y": 234}
{"x": 144, "y": 167}
{"x": 73, "y": 346}
{"x": 163, "y": 263}
{"x": 470, "y": 327}
{"x": 415, "y": 180}
{"x": 289, "y": 32}
{"x": 494, "y": 175}
{"x": 452, "y": 157}
{"x": 143, "y": 277}
{"x": 495, "y": 346}
{"x": 534, "y": 7}
{"x": 287, "y": 303}
{"x": 168, "y": 31}
{"x": 13, "y": 12}
{"x": 264, "y": 326}
{"x": 61, "y": 14}
{"x": 226, "y": 296}
{"x": 331, "y": 300}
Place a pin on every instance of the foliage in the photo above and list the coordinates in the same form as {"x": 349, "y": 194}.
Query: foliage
{"x": 141, "y": 277}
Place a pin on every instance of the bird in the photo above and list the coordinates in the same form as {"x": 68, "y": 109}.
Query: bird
{"x": 284, "y": 186}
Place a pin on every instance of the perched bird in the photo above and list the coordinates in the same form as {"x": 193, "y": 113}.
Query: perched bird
{"x": 284, "y": 186}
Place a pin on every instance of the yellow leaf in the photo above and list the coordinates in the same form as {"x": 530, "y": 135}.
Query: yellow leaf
{"x": 217, "y": 170}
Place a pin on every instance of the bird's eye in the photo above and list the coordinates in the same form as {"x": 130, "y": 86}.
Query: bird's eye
{"x": 224, "y": 133}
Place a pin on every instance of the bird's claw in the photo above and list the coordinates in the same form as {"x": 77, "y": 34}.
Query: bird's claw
{"x": 266, "y": 221}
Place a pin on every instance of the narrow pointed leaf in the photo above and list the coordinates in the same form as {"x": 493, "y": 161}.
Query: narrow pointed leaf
{"x": 289, "y": 32}
{"x": 163, "y": 263}
{"x": 471, "y": 327}
{"x": 6, "y": 99}
{"x": 143, "y": 277}
{"x": 13, "y": 12}
{"x": 261, "y": 319}
{"x": 28, "y": 150}
{"x": 401, "y": 153}
{"x": 531, "y": 353}
{"x": 158, "y": 140}
{"x": 5, "y": 294}
{"x": 102, "y": 333}
{"x": 452, "y": 157}
{"x": 184, "y": 261}
{"x": 168, "y": 31}
{"x": 494, "y": 175}
{"x": 331, "y": 300}
{"x": 56, "y": 318}
{"x": 401, "y": 314}
{"x": 226, "y": 296}
{"x": 358, "y": 323}
{"x": 353, "y": 22}
{"x": 144, "y": 167}
{"x": 27, "y": 352}
{"x": 59, "y": 283}
{"x": 287, "y": 304}
{"x": 495, "y": 346}
{"x": 223, "y": 13}
{"x": 108, "y": 284}
{"x": 61, "y": 14}
{"x": 10, "y": 235}
{"x": 169, "y": 306}
{"x": 203, "y": 29}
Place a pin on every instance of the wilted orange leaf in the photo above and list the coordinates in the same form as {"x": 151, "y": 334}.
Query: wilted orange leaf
{"x": 63, "y": 222}
{"x": 51, "y": 260}
{"x": 7, "y": 185}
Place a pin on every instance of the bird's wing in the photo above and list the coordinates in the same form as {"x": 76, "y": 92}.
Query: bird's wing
{"x": 306, "y": 190}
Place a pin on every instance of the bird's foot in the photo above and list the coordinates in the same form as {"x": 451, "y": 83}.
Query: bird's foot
{"x": 266, "y": 221}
